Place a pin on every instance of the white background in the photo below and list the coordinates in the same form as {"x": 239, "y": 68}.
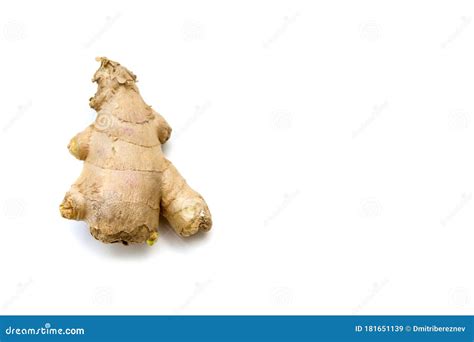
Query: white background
{"x": 333, "y": 141}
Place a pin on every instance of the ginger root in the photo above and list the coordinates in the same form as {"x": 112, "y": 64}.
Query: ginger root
{"x": 126, "y": 181}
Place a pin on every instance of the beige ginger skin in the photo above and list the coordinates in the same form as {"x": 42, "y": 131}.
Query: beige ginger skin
{"x": 126, "y": 182}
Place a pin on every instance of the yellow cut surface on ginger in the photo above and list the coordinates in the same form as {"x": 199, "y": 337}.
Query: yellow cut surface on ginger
{"x": 126, "y": 181}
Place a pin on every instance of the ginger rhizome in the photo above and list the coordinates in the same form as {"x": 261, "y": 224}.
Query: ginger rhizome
{"x": 126, "y": 182}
